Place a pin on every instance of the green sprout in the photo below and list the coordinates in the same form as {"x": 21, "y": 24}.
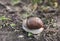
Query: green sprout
{"x": 4, "y": 18}
{"x": 36, "y": 1}
{"x": 25, "y": 15}
{"x": 12, "y": 24}
{"x": 15, "y": 2}
{"x": 30, "y": 34}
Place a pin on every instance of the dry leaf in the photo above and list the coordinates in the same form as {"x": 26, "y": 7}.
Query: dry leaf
{"x": 34, "y": 7}
{"x": 55, "y": 4}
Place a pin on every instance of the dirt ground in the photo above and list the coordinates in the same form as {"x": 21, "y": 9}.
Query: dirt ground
{"x": 11, "y": 28}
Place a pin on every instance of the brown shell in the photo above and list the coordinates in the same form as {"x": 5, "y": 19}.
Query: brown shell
{"x": 34, "y": 23}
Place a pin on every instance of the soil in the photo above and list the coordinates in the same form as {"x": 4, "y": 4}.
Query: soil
{"x": 20, "y": 11}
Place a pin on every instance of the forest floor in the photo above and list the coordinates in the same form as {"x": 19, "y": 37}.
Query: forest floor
{"x": 12, "y": 16}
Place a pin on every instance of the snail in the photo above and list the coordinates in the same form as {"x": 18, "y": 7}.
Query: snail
{"x": 33, "y": 25}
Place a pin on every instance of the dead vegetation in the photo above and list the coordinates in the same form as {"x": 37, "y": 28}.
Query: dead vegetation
{"x": 13, "y": 13}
